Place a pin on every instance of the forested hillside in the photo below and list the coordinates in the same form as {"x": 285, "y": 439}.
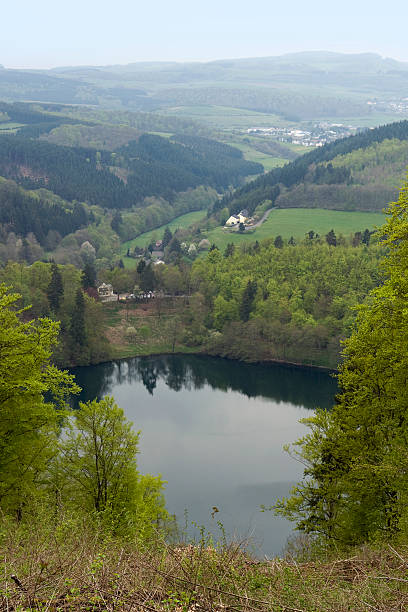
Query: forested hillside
{"x": 283, "y": 302}
{"x": 38, "y": 212}
{"x": 361, "y": 172}
{"x": 149, "y": 166}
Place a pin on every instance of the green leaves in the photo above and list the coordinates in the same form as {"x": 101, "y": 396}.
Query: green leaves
{"x": 28, "y": 423}
{"x": 355, "y": 487}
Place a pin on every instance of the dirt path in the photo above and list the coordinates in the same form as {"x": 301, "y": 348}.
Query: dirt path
{"x": 264, "y": 218}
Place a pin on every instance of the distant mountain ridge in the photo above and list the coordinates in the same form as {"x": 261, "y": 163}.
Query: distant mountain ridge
{"x": 328, "y": 83}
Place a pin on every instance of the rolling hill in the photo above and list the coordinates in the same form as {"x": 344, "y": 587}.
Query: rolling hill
{"x": 362, "y": 172}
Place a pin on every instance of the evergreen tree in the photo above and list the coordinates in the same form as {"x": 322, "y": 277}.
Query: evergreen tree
{"x": 167, "y": 236}
{"x": 229, "y": 249}
{"x": 141, "y": 266}
{"x": 77, "y": 325}
{"x": 116, "y": 222}
{"x": 148, "y": 279}
{"x": 55, "y": 290}
{"x": 331, "y": 238}
{"x": 247, "y": 300}
{"x": 88, "y": 277}
{"x": 291, "y": 241}
{"x": 366, "y": 237}
{"x": 278, "y": 242}
{"x": 174, "y": 245}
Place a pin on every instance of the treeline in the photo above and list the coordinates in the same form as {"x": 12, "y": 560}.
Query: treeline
{"x": 270, "y": 185}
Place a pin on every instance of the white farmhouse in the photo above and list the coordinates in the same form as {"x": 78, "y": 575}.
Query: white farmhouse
{"x": 233, "y": 220}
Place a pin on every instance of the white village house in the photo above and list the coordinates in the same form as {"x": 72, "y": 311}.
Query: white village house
{"x": 241, "y": 217}
{"x": 105, "y": 292}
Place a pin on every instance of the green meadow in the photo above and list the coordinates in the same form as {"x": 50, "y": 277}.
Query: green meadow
{"x": 297, "y": 222}
{"x": 144, "y": 239}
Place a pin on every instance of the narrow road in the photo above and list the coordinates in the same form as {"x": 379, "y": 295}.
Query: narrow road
{"x": 264, "y": 218}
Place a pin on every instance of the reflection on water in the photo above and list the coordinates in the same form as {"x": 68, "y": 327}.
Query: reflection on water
{"x": 215, "y": 430}
{"x": 299, "y": 386}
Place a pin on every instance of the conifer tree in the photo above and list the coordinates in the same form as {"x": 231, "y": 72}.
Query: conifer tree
{"x": 55, "y": 290}
{"x": 247, "y": 300}
{"x": 366, "y": 237}
{"x": 167, "y": 236}
{"x": 331, "y": 238}
{"x": 229, "y": 249}
{"x": 77, "y": 326}
{"x": 278, "y": 243}
{"x": 147, "y": 278}
{"x": 88, "y": 277}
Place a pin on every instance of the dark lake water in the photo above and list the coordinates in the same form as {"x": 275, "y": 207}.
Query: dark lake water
{"x": 215, "y": 430}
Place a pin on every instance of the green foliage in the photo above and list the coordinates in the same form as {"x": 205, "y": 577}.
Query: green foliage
{"x": 302, "y": 306}
{"x": 91, "y": 467}
{"x": 28, "y": 422}
{"x": 354, "y": 487}
{"x": 33, "y": 284}
{"x": 97, "y": 463}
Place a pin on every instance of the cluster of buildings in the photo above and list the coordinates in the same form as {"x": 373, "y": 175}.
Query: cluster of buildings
{"x": 398, "y": 106}
{"x": 316, "y": 136}
{"x": 106, "y": 294}
{"x": 235, "y": 220}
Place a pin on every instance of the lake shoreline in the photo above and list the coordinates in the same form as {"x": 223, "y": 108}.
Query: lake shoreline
{"x": 201, "y": 353}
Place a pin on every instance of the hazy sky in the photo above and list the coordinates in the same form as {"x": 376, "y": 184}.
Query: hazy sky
{"x": 47, "y": 33}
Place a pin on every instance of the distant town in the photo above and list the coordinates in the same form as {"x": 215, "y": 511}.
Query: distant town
{"x": 398, "y": 105}
{"x": 316, "y": 135}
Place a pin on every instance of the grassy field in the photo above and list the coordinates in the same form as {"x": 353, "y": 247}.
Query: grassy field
{"x": 144, "y": 239}
{"x": 225, "y": 117}
{"x": 251, "y": 154}
{"x": 296, "y": 222}
{"x": 9, "y": 126}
